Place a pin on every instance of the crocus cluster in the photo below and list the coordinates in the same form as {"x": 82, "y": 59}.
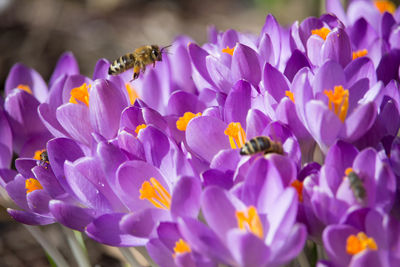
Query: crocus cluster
{"x": 170, "y": 161}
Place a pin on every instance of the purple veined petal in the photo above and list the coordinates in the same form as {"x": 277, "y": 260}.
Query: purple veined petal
{"x": 84, "y": 189}
{"x": 229, "y": 38}
{"x": 151, "y": 116}
{"x": 198, "y": 56}
{"x": 357, "y": 218}
{"x": 105, "y": 229}
{"x": 75, "y": 119}
{"x": 21, "y": 108}
{"x": 218, "y": 178}
{"x": 307, "y": 26}
{"x": 20, "y": 74}
{"x": 205, "y": 136}
{"x": 212, "y": 34}
{"x": 356, "y": 93}
{"x": 203, "y": 240}
{"x": 314, "y": 46}
{"x": 328, "y": 76}
{"x": 219, "y": 208}
{"x": 275, "y": 82}
{"x": 345, "y": 193}
{"x": 374, "y": 94}
{"x": 296, "y": 62}
{"x": 24, "y": 166}
{"x": 337, "y": 47}
{"x": 273, "y": 29}
{"x": 72, "y": 216}
{"x": 150, "y": 91}
{"x": 294, "y": 38}
{"x": 368, "y": 258}
{"x": 374, "y": 226}
{"x": 49, "y": 119}
{"x": 330, "y": 179}
{"x": 335, "y": 7}
{"x": 303, "y": 92}
{"x": 334, "y": 237}
{"x": 47, "y": 179}
{"x": 66, "y": 65}
{"x": 248, "y": 249}
{"x": 168, "y": 233}
{"x": 394, "y": 38}
{"x": 130, "y": 177}
{"x": 182, "y": 70}
{"x": 6, "y": 176}
{"x": 225, "y": 160}
{"x": 362, "y": 34}
{"x": 365, "y": 9}
{"x": 290, "y": 246}
{"x": 34, "y": 143}
{"x": 385, "y": 187}
{"x": 266, "y": 49}
{"x": 327, "y": 209}
{"x": 318, "y": 117}
{"x": 101, "y": 69}
{"x": 181, "y": 102}
{"x": 106, "y": 103}
{"x": 186, "y": 198}
{"x": 238, "y": 103}
{"x": 256, "y": 121}
{"x": 388, "y": 67}
{"x": 160, "y": 253}
{"x": 142, "y": 224}
{"x": 38, "y": 202}
{"x": 131, "y": 145}
{"x": 282, "y": 215}
{"x": 246, "y": 65}
{"x": 219, "y": 73}
{"x": 386, "y": 25}
{"x": 131, "y": 117}
{"x": 358, "y": 69}
{"x": 17, "y": 192}
{"x": 55, "y": 98}
{"x": 29, "y": 217}
{"x": 6, "y": 141}
{"x": 359, "y": 122}
{"x": 72, "y": 82}
{"x": 341, "y": 155}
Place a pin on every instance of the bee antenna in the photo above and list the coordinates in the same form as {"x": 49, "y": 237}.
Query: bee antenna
{"x": 162, "y": 49}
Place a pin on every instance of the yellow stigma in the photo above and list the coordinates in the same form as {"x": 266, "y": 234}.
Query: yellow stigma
{"x": 323, "y": 32}
{"x": 80, "y": 93}
{"x": 133, "y": 95}
{"x": 360, "y": 53}
{"x": 290, "y": 95}
{"x": 338, "y": 101}
{"x": 236, "y": 134}
{"x": 181, "y": 247}
{"x": 38, "y": 153}
{"x": 228, "y": 50}
{"x": 299, "y": 188}
{"x": 140, "y": 127}
{"x": 249, "y": 220}
{"x": 356, "y": 244}
{"x": 183, "y": 121}
{"x": 25, "y": 88}
{"x": 32, "y": 184}
{"x": 154, "y": 192}
{"x": 385, "y": 6}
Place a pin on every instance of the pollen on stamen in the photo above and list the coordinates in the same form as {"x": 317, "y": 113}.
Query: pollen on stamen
{"x": 385, "y": 6}
{"x": 299, "y": 188}
{"x": 359, "y": 243}
{"x": 181, "y": 247}
{"x": 139, "y": 128}
{"x": 38, "y": 153}
{"x": 133, "y": 95}
{"x": 360, "y": 53}
{"x": 182, "y": 122}
{"x": 236, "y": 134}
{"x": 322, "y": 32}
{"x": 228, "y": 50}
{"x": 25, "y": 88}
{"x": 81, "y": 94}
{"x": 338, "y": 101}
{"x": 250, "y": 221}
{"x": 156, "y": 194}
{"x": 32, "y": 184}
{"x": 290, "y": 95}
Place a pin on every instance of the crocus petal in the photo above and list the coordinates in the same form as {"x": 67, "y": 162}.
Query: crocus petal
{"x": 38, "y": 201}
{"x": 142, "y": 224}
{"x": 198, "y": 56}
{"x": 328, "y": 76}
{"x": 20, "y": 74}
{"x": 160, "y": 253}
{"x": 256, "y": 121}
{"x": 66, "y": 65}
{"x": 6, "y": 176}
{"x": 274, "y": 82}
{"x": 70, "y": 215}
{"x": 314, "y": 47}
{"x": 388, "y": 67}
{"x": 248, "y": 249}
{"x": 238, "y": 102}
{"x": 273, "y": 29}
{"x": 105, "y": 229}
{"x": 17, "y": 192}
{"x": 205, "y": 136}
{"x": 335, "y": 7}
{"x": 245, "y": 65}
{"x": 24, "y": 166}
{"x": 307, "y": 26}
{"x": 359, "y": 122}
{"x": 335, "y": 237}
{"x": 337, "y": 47}
{"x": 360, "y": 68}
{"x": 29, "y": 217}
{"x": 218, "y": 178}
{"x": 101, "y": 69}
{"x": 49, "y": 119}
{"x": 296, "y": 62}
{"x": 71, "y": 82}
{"x": 106, "y": 103}
{"x": 220, "y": 73}
{"x": 181, "y": 102}
{"x": 186, "y": 198}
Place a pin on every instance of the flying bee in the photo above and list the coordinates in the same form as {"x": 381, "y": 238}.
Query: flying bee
{"x": 138, "y": 60}
{"x": 357, "y": 186}
{"x": 261, "y": 144}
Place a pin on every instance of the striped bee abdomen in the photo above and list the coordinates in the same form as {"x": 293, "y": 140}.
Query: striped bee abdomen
{"x": 259, "y": 144}
{"x": 122, "y": 64}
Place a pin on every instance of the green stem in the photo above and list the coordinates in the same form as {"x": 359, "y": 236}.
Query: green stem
{"x": 78, "y": 250}
{"x": 49, "y": 248}
{"x": 129, "y": 257}
{"x": 302, "y": 259}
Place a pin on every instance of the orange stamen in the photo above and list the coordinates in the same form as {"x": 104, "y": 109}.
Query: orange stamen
{"x": 323, "y": 32}
{"x": 25, "y": 88}
{"x": 38, "y": 153}
{"x": 80, "y": 93}
{"x": 237, "y": 136}
{"x": 181, "y": 247}
{"x": 250, "y": 220}
{"x": 356, "y": 244}
{"x": 154, "y": 192}
{"x": 183, "y": 121}
{"x": 32, "y": 184}
{"x": 385, "y": 6}
{"x": 290, "y": 95}
{"x": 228, "y": 50}
{"x": 140, "y": 127}
{"x": 133, "y": 95}
{"x": 338, "y": 101}
{"x": 360, "y": 53}
{"x": 299, "y": 188}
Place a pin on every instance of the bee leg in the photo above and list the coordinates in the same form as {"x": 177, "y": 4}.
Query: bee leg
{"x": 143, "y": 68}
{"x": 136, "y": 71}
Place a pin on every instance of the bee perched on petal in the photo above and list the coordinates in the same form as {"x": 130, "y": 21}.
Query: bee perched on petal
{"x": 138, "y": 60}
{"x": 261, "y": 144}
{"x": 356, "y": 185}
